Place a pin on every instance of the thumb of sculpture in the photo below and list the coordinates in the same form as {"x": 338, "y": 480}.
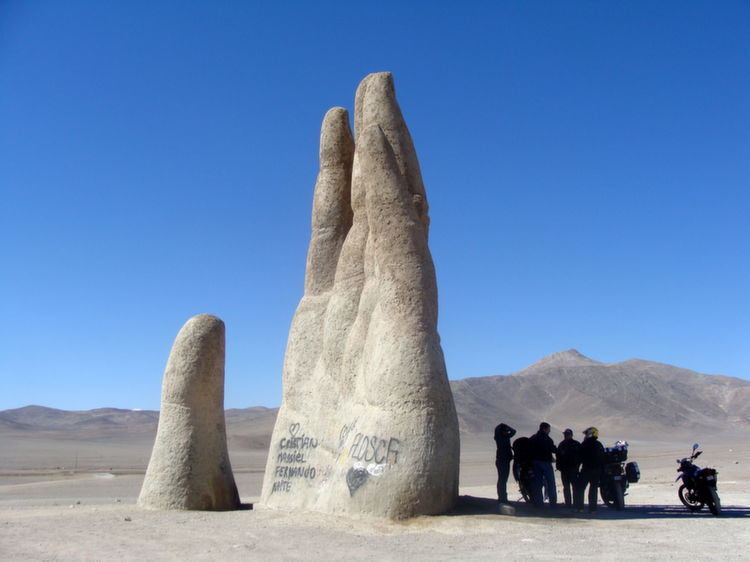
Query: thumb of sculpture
{"x": 189, "y": 466}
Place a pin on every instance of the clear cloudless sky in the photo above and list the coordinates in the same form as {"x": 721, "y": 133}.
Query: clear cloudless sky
{"x": 587, "y": 166}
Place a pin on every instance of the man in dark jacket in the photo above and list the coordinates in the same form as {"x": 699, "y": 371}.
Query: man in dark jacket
{"x": 591, "y": 454}
{"x": 568, "y": 463}
{"x": 503, "y": 435}
{"x": 542, "y": 448}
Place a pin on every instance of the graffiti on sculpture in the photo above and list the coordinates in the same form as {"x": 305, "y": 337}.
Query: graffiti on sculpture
{"x": 346, "y": 430}
{"x": 372, "y": 448}
{"x": 372, "y": 455}
{"x": 355, "y": 477}
{"x": 292, "y": 459}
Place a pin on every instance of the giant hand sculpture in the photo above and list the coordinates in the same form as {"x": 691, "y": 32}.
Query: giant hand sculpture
{"x": 367, "y": 423}
{"x": 189, "y": 466}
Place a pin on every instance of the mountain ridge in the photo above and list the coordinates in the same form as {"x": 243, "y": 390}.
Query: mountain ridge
{"x": 566, "y": 389}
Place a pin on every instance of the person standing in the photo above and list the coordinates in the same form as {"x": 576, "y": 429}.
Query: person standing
{"x": 542, "y": 448}
{"x": 567, "y": 462}
{"x": 591, "y": 454}
{"x": 503, "y": 435}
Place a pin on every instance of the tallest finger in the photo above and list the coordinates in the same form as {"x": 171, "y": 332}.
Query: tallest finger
{"x": 332, "y": 211}
{"x": 376, "y": 104}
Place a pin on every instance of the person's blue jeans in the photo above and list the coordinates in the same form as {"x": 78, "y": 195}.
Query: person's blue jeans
{"x": 546, "y": 477}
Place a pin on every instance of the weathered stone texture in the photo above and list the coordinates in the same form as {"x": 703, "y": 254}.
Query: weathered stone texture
{"x": 367, "y": 423}
{"x": 189, "y": 466}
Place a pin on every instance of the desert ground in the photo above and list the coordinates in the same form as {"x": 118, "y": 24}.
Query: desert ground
{"x": 68, "y": 499}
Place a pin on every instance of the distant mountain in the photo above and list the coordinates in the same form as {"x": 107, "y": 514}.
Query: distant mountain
{"x": 41, "y": 418}
{"x": 247, "y": 428}
{"x": 566, "y": 389}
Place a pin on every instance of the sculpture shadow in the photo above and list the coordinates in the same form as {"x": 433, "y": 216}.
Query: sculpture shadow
{"x": 472, "y": 505}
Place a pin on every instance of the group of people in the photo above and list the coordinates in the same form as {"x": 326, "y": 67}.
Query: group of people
{"x": 580, "y": 465}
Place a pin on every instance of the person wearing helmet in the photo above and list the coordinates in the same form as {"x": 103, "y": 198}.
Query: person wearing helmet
{"x": 591, "y": 455}
{"x": 567, "y": 463}
{"x": 503, "y": 435}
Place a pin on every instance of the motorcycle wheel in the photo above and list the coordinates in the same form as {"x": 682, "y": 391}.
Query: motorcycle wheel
{"x": 619, "y": 499}
{"x": 606, "y": 495}
{"x": 714, "y": 504}
{"x": 683, "y": 494}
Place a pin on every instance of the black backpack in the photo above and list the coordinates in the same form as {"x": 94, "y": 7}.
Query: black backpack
{"x": 522, "y": 449}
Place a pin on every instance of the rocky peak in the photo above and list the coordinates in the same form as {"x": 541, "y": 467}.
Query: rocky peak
{"x": 567, "y": 358}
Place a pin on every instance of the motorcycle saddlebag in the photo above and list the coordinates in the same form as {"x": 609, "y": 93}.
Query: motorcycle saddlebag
{"x": 632, "y": 472}
{"x": 615, "y": 454}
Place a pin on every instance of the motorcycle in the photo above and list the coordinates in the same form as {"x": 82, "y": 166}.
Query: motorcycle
{"x": 617, "y": 476}
{"x": 698, "y": 486}
{"x": 523, "y": 470}
{"x": 524, "y": 475}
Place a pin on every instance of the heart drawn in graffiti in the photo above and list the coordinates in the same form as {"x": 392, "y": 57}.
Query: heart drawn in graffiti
{"x": 355, "y": 477}
{"x": 293, "y": 429}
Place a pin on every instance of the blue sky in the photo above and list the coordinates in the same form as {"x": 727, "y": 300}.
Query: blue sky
{"x": 586, "y": 164}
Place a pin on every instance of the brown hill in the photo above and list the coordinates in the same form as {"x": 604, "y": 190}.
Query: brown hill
{"x": 247, "y": 428}
{"x": 635, "y": 397}
{"x": 100, "y": 421}
{"x": 567, "y": 389}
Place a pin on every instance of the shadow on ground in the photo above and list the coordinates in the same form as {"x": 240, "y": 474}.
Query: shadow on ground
{"x": 472, "y": 505}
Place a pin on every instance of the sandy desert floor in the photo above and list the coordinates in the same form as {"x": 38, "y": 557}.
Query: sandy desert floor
{"x": 50, "y": 511}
